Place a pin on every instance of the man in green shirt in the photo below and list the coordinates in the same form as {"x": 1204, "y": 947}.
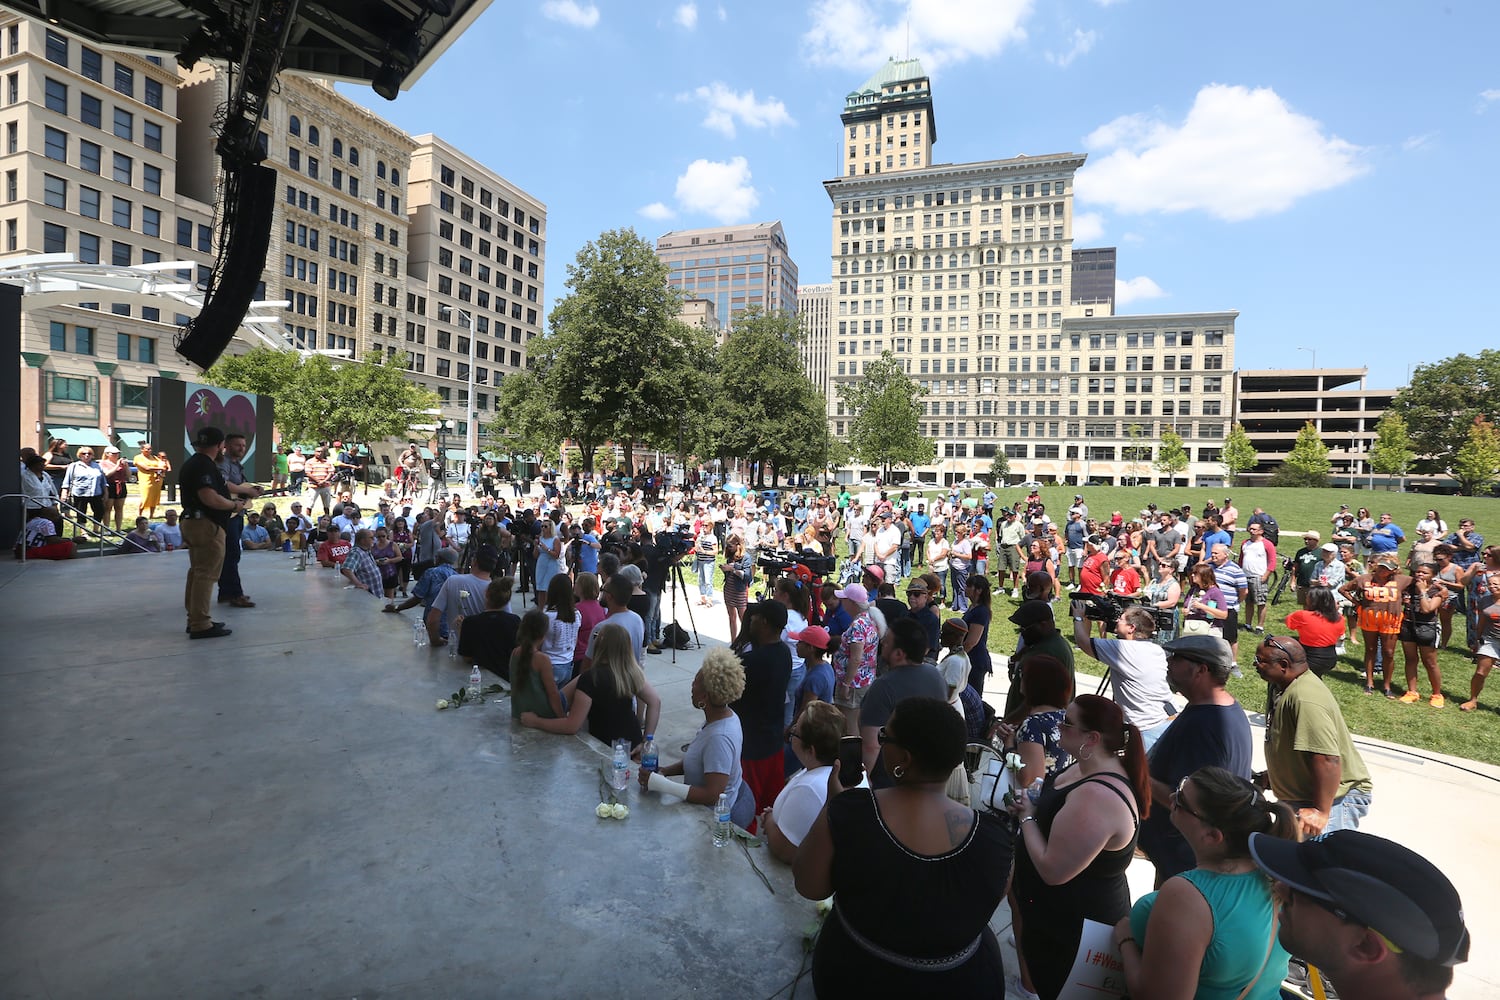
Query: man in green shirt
{"x": 1311, "y": 761}
{"x": 1039, "y": 637}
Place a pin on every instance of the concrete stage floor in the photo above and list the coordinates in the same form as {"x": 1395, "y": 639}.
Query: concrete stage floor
{"x": 283, "y": 813}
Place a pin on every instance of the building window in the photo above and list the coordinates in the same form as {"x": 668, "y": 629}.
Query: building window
{"x": 69, "y": 390}
{"x": 56, "y": 144}
{"x": 151, "y": 178}
{"x": 88, "y": 248}
{"x": 124, "y": 168}
{"x": 150, "y": 221}
{"x": 151, "y": 135}
{"x": 122, "y": 346}
{"x": 90, "y": 157}
{"x": 185, "y": 232}
{"x": 153, "y": 94}
{"x": 125, "y": 80}
{"x": 119, "y": 254}
{"x": 145, "y": 350}
{"x": 121, "y": 213}
{"x": 56, "y": 191}
{"x": 54, "y": 238}
{"x": 91, "y": 110}
{"x": 124, "y": 124}
{"x": 56, "y": 96}
{"x": 57, "y": 47}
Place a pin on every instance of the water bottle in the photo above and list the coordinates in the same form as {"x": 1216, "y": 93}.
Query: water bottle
{"x": 419, "y": 635}
{"x": 649, "y": 759}
{"x": 474, "y": 683}
{"x": 619, "y": 768}
{"x": 722, "y": 823}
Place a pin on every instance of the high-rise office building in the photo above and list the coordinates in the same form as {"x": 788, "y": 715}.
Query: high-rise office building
{"x": 735, "y": 267}
{"x": 1094, "y": 280}
{"x": 814, "y": 314}
{"x": 89, "y": 165}
{"x": 477, "y": 264}
{"x": 110, "y": 157}
{"x": 964, "y": 272}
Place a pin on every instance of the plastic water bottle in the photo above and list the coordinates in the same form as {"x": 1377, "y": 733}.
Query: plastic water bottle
{"x": 474, "y": 683}
{"x": 419, "y": 635}
{"x": 619, "y": 768}
{"x": 649, "y": 759}
{"x": 722, "y": 823}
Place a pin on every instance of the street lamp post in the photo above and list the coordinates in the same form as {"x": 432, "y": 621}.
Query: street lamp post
{"x": 471, "y": 437}
{"x": 1314, "y": 353}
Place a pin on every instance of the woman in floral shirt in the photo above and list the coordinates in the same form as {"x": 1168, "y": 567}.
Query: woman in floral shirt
{"x": 854, "y": 659}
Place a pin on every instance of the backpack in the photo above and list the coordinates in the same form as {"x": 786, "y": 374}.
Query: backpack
{"x": 674, "y": 636}
{"x": 1272, "y": 529}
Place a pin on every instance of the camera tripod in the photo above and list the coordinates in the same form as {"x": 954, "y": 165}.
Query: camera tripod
{"x": 675, "y": 580}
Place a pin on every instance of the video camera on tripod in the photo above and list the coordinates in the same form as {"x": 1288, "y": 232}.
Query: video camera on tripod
{"x": 1106, "y": 608}
{"x": 781, "y": 561}
{"x": 674, "y": 544}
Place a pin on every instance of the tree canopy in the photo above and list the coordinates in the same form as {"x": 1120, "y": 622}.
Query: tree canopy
{"x": 1442, "y": 401}
{"x": 1477, "y": 464}
{"x": 1307, "y": 463}
{"x": 1239, "y": 453}
{"x": 1171, "y": 457}
{"x": 1392, "y": 453}
{"x": 762, "y": 407}
{"x": 319, "y": 398}
{"x": 886, "y": 407}
{"x": 616, "y": 363}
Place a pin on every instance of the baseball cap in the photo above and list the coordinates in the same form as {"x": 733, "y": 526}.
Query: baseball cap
{"x": 1077, "y": 496}
{"x": 1208, "y": 649}
{"x": 1030, "y": 613}
{"x": 877, "y": 571}
{"x": 815, "y": 636}
{"x": 854, "y": 592}
{"x": 1388, "y": 888}
{"x": 802, "y": 573}
{"x": 1330, "y": 547}
{"x": 1387, "y": 560}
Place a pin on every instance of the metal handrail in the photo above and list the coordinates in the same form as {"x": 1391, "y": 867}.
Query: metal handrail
{"x": 102, "y": 528}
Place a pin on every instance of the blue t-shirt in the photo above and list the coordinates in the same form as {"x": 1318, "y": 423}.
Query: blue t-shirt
{"x": 588, "y": 555}
{"x": 836, "y": 620}
{"x": 1213, "y": 538}
{"x": 919, "y": 525}
{"x": 1199, "y": 736}
{"x": 1385, "y": 538}
{"x": 428, "y": 589}
{"x": 1076, "y": 532}
{"x": 818, "y": 683}
{"x": 254, "y": 533}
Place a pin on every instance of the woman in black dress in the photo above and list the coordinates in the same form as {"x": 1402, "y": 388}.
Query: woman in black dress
{"x": 917, "y": 875}
{"x": 1079, "y": 837}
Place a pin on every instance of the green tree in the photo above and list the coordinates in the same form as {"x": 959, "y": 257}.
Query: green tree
{"x": 1137, "y": 453}
{"x": 886, "y": 407}
{"x": 1238, "y": 454}
{"x": 617, "y": 364}
{"x": 1392, "y": 453}
{"x": 525, "y": 419}
{"x": 1441, "y": 402}
{"x": 325, "y": 399}
{"x": 1477, "y": 464}
{"x": 1307, "y": 463}
{"x": 1171, "y": 457}
{"x": 762, "y": 406}
{"x": 999, "y": 467}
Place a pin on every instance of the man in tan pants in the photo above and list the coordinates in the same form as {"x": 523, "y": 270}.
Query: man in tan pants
{"x": 206, "y": 510}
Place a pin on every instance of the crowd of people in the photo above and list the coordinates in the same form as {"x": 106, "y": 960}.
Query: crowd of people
{"x": 821, "y": 652}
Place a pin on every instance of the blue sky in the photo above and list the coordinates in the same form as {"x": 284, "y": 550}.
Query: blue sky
{"x": 1328, "y": 169}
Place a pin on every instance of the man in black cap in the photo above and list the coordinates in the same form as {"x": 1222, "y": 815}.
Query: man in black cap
{"x": 206, "y": 510}
{"x": 1211, "y": 730}
{"x": 1379, "y": 920}
{"x": 1039, "y": 637}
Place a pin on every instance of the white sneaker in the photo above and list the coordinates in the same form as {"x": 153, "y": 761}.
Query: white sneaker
{"x": 1016, "y": 593}
{"x": 1013, "y": 988}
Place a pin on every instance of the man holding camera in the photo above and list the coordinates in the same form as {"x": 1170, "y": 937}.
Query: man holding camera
{"x": 1137, "y": 668}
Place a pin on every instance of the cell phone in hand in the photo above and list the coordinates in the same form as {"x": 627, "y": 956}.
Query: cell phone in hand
{"x": 851, "y": 760}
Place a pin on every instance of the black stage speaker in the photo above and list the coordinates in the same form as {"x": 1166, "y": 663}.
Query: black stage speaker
{"x": 244, "y": 261}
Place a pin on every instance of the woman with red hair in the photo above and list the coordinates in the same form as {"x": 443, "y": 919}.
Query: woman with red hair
{"x": 1079, "y": 837}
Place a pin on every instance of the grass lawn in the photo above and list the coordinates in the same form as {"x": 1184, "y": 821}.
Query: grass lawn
{"x": 1474, "y": 735}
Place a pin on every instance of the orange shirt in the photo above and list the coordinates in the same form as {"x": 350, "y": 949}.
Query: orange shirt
{"x": 319, "y": 471}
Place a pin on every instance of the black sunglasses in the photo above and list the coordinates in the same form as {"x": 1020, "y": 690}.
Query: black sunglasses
{"x": 1180, "y": 802}
{"x": 882, "y": 737}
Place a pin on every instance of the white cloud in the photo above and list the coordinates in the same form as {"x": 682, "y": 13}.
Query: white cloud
{"x": 723, "y": 14}
{"x": 687, "y": 16}
{"x": 657, "y": 210}
{"x": 1108, "y": 3}
{"x": 1415, "y": 142}
{"x": 571, "y": 12}
{"x": 1238, "y": 154}
{"x": 1136, "y": 289}
{"x": 721, "y": 190}
{"x": 1087, "y": 227}
{"x": 1082, "y": 40}
{"x": 1486, "y": 98}
{"x": 859, "y": 35}
{"x": 726, "y": 106}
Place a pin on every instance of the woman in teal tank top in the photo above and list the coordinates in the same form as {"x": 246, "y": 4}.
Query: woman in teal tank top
{"x": 1210, "y": 933}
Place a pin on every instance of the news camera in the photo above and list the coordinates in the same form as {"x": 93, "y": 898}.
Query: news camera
{"x": 782, "y": 561}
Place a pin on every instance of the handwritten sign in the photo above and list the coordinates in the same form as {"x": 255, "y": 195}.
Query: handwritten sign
{"x": 1097, "y": 973}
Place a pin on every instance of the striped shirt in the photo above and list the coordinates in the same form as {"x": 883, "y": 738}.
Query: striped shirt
{"x": 319, "y": 471}
{"x": 1231, "y": 579}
